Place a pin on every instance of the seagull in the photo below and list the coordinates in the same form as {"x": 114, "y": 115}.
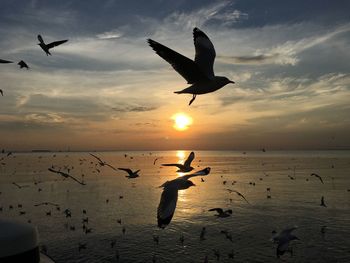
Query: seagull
{"x": 102, "y": 163}
{"x": 22, "y": 64}
{"x": 221, "y": 212}
{"x": 47, "y": 203}
{"x": 5, "y": 61}
{"x": 168, "y": 200}
{"x": 238, "y": 193}
{"x": 316, "y": 175}
{"x": 199, "y": 72}
{"x": 183, "y": 168}
{"x": 20, "y": 186}
{"x": 65, "y": 175}
{"x": 46, "y": 47}
{"x": 282, "y": 239}
{"x": 130, "y": 172}
{"x": 322, "y": 202}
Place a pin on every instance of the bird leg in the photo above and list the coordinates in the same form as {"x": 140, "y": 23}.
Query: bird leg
{"x": 192, "y": 100}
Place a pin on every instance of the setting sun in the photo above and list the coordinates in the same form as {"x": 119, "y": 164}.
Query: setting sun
{"x": 181, "y": 121}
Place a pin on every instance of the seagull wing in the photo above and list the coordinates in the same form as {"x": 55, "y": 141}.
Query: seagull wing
{"x": 219, "y": 210}
{"x": 205, "y": 52}
{"x": 41, "y": 40}
{"x": 56, "y": 43}
{"x": 111, "y": 166}
{"x": 287, "y": 231}
{"x": 203, "y": 172}
{"x": 186, "y": 67}
{"x": 178, "y": 165}
{"x": 99, "y": 159}
{"x": 167, "y": 206}
{"x": 189, "y": 160}
{"x": 126, "y": 170}
{"x": 238, "y": 193}
{"x": 319, "y": 177}
{"x": 82, "y": 183}
{"x": 5, "y": 61}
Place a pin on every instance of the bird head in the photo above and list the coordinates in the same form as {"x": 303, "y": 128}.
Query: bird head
{"x": 189, "y": 183}
{"x": 227, "y": 81}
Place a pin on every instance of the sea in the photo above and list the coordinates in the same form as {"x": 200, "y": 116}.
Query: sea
{"x": 121, "y": 213}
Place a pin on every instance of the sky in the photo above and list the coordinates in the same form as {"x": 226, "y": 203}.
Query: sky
{"x": 106, "y": 89}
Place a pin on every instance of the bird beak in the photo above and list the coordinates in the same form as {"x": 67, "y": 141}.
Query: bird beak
{"x": 231, "y": 82}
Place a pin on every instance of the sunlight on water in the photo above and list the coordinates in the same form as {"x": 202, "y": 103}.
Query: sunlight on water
{"x": 113, "y": 203}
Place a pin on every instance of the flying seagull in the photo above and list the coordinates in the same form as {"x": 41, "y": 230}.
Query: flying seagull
{"x": 316, "y": 175}
{"x": 199, "y": 72}
{"x": 47, "y": 203}
{"x": 102, "y": 163}
{"x": 131, "y": 174}
{"x": 183, "y": 168}
{"x": 282, "y": 239}
{"x": 221, "y": 212}
{"x": 22, "y": 64}
{"x": 238, "y": 193}
{"x": 168, "y": 200}
{"x": 65, "y": 175}
{"x": 46, "y": 47}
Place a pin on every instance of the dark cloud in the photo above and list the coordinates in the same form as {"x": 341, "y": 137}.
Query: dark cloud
{"x": 259, "y": 59}
{"x": 131, "y": 108}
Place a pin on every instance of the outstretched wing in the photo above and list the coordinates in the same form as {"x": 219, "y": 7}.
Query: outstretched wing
{"x": 287, "y": 231}
{"x": 178, "y": 165}
{"x": 41, "y": 40}
{"x": 110, "y": 166}
{"x": 186, "y": 67}
{"x": 238, "y": 193}
{"x": 98, "y": 158}
{"x": 203, "y": 172}
{"x": 5, "y": 61}
{"x": 189, "y": 159}
{"x": 166, "y": 207}
{"x": 219, "y": 210}
{"x": 56, "y": 43}
{"x": 205, "y": 52}
{"x": 126, "y": 170}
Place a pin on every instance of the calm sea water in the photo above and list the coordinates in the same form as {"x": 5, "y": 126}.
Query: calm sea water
{"x": 323, "y": 231}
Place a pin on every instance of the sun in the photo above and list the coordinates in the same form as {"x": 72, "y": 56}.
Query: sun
{"x": 181, "y": 121}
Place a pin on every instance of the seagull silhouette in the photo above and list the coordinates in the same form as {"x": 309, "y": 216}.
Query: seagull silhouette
{"x": 183, "y": 168}
{"x": 131, "y": 174}
{"x": 168, "y": 200}
{"x": 22, "y": 64}
{"x": 199, "y": 72}
{"x": 46, "y": 47}
{"x": 316, "y": 175}
{"x": 65, "y": 175}
{"x": 103, "y": 163}
{"x": 221, "y": 212}
{"x": 282, "y": 239}
{"x": 238, "y": 193}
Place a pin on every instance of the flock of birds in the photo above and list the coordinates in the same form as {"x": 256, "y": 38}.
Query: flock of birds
{"x": 168, "y": 200}
{"x": 198, "y": 72}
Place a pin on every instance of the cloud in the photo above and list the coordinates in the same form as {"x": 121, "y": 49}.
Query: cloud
{"x": 114, "y": 34}
{"x": 132, "y": 108}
